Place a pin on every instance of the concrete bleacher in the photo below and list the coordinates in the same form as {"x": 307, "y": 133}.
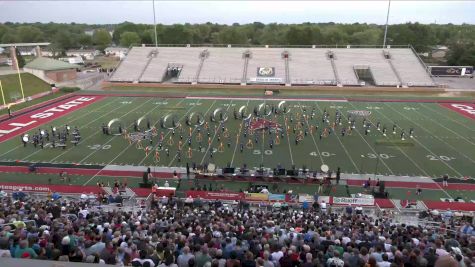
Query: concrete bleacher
{"x": 347, "y": 59}
{"x": 380, "y": 69}
{"x": 306, "y": 66}
{"x": 186, "y": 57}
{"x": 223, "y": 65}
{"x": 266, "y": 57}
{"x": 310, "y": 66}
{"x": 410, "y": 69}
{"x": 133, "y": 65}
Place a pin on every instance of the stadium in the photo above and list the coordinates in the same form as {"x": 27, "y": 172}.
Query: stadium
{"x": 229, "y": 155}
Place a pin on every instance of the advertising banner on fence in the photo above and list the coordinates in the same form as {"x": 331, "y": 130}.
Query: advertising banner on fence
{"x": 451, "y": 70}
{"x": 277, "y": 197}
{"x": 353, "y": 201}
{"x": 213, "y": 195}
{"x": 256, "y": 197}
{"x": 306, "y": 197}
{"x": 70, "y": 189}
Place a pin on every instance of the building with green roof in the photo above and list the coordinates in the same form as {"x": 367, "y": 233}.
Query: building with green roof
{"x": 51, "y": 70}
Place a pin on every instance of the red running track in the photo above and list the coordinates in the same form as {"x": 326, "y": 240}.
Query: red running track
{"x": 439, "y": 205}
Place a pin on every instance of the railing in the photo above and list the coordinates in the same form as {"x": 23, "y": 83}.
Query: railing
{"x": 273, "y": 46}
{"x": 150, "y": 58}
{"x": 390, "y": 62}
{"x": 120, "y": 63}
{"x": 287, "y": 71}
{"x": 335, "y": 71}
{"x": 423, "y": 64}
{"x": 244, "y": 70}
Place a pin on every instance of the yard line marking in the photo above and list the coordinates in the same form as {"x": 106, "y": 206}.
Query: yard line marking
{"x": 313, "y": 138}
{"x": 113, "y": 137}
{"x": 263, "y": 141}
{"x": 427, "y": 149}
{"x": 402, "y": 151}
{"x": 82, "y": 140}
{"x": 21, "y": 145}
{"x": 169, "y": 131}
{"x": 89, "y": 136}
{"x": 238, "y": 136}
{"x": 440, "y": 113}
{"x": 126, "y": 148}
{"x": 212, "y": 140}
{"x": 447, "y": 129}
{"x": 288, "y": 142}
{"x": 443, "y": 190}
{"x": 192, "y": 132}
{"x": 370, "y": 147}
{"x": 449, "y": 145}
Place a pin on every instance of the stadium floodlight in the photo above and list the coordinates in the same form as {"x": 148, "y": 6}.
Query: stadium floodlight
{"x": 154, "y": 24}
{"x": 386, "y": 26}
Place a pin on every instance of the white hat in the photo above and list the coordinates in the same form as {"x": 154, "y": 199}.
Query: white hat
{"x": 63, "y": 208}
{"x": 456, "y": 250}
{"x": 66, "y": 240}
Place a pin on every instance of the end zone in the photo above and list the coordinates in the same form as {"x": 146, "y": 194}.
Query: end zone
{"x": 465, "y": 109}
{"x": 18, "y": 125}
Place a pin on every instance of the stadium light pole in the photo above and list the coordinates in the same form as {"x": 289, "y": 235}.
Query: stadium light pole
{"x": 154, "y": 24}
{"x": 386, "y": 27}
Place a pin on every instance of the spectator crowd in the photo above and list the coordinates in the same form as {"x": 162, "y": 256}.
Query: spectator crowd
{"x": 172, "y": 233}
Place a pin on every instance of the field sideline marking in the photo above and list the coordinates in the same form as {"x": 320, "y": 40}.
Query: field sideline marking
{"x": 81, "y": 116}
{"x": 174, "y": 157}
{"x": 428, "y": 150}
{"x": 126, "y": 148}
{"x": 402, "y": 151}
{"x": 370, "y": 147}
{"x": 169, "y": 131}
{"x": 214, "y": 136}
{"x": 451, "y": 119}
{"x": 241, "y": 125}
{"x": 113, "y": 137}
{"x": 89, "y": 136}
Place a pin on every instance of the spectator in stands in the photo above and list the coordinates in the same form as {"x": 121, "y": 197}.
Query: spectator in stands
{"x": 231, "y": 237}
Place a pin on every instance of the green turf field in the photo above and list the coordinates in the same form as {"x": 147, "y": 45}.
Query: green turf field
{"x": 31, "y": 85}
{"x": 443, "y": 143}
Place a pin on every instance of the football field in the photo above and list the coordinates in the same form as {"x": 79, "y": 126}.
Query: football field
{"x": 263, "y": 132}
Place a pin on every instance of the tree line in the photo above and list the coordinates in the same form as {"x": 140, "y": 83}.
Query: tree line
{"x": 460, "y": 38}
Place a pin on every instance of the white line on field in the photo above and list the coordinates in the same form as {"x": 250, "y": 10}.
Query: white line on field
{"x": 113, "y": 137}
{"x": 79, "y": 117}
{"x": 415, "y": 139}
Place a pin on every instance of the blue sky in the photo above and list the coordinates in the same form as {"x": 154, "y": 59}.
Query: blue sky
{"x": 228, "y": 12}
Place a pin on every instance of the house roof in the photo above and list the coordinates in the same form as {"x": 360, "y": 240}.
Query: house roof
{"x": 43, "y": 63}
{"x": 116, "y": 48}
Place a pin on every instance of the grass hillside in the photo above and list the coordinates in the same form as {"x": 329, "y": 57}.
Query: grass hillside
{"x": 31, "y": 85}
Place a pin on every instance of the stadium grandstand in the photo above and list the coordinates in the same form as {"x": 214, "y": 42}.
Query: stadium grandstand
{"x": 395, "y": 66}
